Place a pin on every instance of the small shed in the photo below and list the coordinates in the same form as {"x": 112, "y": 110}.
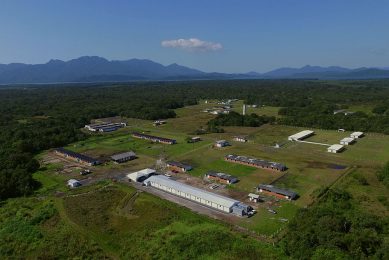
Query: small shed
{"x": 253, "y": 197}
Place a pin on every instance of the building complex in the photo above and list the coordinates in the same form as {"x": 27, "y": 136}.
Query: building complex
{"x": 105, "y": 127}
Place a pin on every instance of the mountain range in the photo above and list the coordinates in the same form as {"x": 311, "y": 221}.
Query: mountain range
{"x": 97, "y": 69}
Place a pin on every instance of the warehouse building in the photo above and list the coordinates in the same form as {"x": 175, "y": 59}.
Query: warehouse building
{"x": 177, "y": 166}
{"x": 357, "y": 135}
{"x": 301, "y": 135}
{"x": 141, "y": 175}
{"x": 277, "y": 192}
{"x": 123, "y": 157}
{"x": 200, "y": 196}
{"x": 221, "y": 177}
{"x": 80, "y": 158}
{"x": 258, "y": 163}
{"x": 347, "y": 141}
{"x": 105, "y": 127}
{"x": 335, "y": 148}
{"x": 154, "y": 139}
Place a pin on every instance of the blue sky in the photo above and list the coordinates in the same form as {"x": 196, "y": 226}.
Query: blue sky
{"x": 230, "y": 35}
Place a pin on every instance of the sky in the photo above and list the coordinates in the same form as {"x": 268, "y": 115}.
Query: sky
{"x": 210, "y": 35}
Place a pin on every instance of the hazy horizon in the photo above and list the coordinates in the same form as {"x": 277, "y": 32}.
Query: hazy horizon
{"x": 233, "y": 37}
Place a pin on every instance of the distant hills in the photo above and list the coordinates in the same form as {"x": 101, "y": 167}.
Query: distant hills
{"x": 97, "y": 69}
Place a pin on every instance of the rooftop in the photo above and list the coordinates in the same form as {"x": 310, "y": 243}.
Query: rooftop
{"x": 120, "y": 156}
{"x": 206, "y": 195}
{"x": 301, "y": 135}
{"x": 76, "y": 155}
{"x": 179, "y": 164}
{"x": 274, "y": 189}
{"x": 336, "y": 147}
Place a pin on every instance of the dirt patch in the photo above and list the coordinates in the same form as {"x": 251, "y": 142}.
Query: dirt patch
{"x": 322, "y": 165}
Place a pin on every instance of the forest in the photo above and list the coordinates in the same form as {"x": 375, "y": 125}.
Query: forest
{"x": 35, "y": 118}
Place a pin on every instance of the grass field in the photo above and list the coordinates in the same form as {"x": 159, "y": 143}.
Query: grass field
{"x": 114, "y": 221}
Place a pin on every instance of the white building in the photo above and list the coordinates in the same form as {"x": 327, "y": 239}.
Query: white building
{"x": 357, "y": 135}
{"x": 200, "y": 196}
{"x": 301, "y": 135}
{"x": 141, "y": 175}
{"x": 335, "y": 148}
{"x": 222, "y": 143}
{"x": 347, "y": 141}
{"x": 73, "y": 183}
{"x": 242, "y": 139}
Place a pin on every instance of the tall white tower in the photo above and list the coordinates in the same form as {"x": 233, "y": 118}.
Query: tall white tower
{"x": 244, "y": 109}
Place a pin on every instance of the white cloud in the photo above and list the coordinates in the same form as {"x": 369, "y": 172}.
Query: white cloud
{"x": 192, "y": 44}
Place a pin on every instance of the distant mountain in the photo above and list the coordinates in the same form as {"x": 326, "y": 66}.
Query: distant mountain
{"x": 291, "y": 72}
{"x": 92, "y": 68}
{"x": 97, "y": 69}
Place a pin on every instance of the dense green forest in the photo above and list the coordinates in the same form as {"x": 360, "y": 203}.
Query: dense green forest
{"x": 35, "y": 118}
{"x": 236, "y": 119}
{"x": 336, "y": 228}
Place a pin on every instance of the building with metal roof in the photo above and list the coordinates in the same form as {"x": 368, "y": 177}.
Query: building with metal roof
{"x": 347, "y": 141}
{"x": 123, "y": 157}
{"x": 105, "y": 127}
{"x": 277, "y": 192}
{"x": 155, "y": 139}
{"x": 173, "y": 165}
{"x": 141, "y": 175}
{"x": 200, "y": 196}
{"x": 335, "y": 148}
{"x": 221, "y": 177}
{"x": 80, "y": 158}
{"x": 301, "y": 135}
{"x": 258, "y": 163}
{"x": 357, "y": 135}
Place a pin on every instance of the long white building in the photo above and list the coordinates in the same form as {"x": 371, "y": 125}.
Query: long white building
{"x": 200, "y": 196}
{"x": 301, "y": 135}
